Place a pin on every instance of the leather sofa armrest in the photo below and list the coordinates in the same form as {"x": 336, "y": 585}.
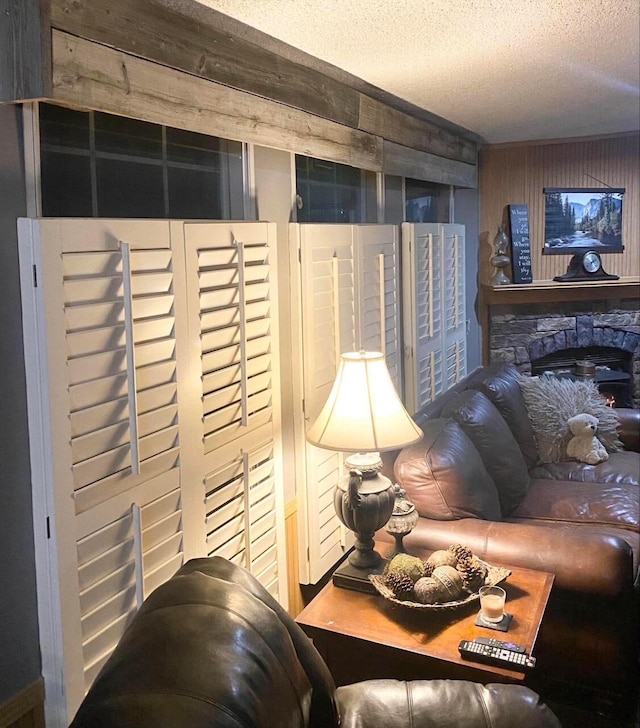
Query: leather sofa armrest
{"x": 587, "y": 563}
{"x": 629, "y": 429}
{"x": 442, "y": 703}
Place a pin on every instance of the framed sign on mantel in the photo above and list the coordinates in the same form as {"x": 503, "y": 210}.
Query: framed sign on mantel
{"x": 520, "y": 244}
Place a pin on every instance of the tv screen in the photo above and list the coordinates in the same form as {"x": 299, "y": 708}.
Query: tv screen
{"x": 578, "y": 219}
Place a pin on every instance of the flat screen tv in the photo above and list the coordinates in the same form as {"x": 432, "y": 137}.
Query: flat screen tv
{"x": 578, "y": 219}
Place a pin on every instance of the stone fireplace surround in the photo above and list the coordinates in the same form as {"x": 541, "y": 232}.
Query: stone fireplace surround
{"x": 522, "y": 333}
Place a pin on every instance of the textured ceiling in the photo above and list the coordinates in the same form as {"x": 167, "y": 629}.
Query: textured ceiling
{"x": 508, "y": 70}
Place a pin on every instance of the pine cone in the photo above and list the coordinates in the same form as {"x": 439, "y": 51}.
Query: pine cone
{"x": 400, "y": 584}
{"x": 473, "y": 574}
{"x": 461, "y": 552}
{"x": 428, "y": 568}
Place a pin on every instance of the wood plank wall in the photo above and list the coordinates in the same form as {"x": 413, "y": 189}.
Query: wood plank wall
{"x": 197, "y": 69}
{"x": 26, "y": 709}
{"x": 209, "y": 45}
{"x": 296, "y": 603}
{"x": 517, "y": 173}
{"x": 25, "y": 52}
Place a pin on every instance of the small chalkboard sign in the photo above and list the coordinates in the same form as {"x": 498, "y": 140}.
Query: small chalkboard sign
{"x": 520, "y": 244}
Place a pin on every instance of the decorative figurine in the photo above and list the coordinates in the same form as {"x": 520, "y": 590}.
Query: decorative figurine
{"x": 500, "y": 259}
{"x": 402, "y": 521}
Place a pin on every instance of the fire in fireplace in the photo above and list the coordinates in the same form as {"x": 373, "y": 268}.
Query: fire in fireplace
{"x": 612, "y": 370}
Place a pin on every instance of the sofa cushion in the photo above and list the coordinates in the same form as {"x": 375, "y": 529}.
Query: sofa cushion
{"x": 552, "y": 400}
{"x": 444, "y": 703}
{"x": 621, "y": 467}
{"x": 571, "y": 501}
{"x": 493, "y": 439}
{"x": 503, "y": 389}
{"x": 588, "y": 531}
{"x": 444, "y": 475}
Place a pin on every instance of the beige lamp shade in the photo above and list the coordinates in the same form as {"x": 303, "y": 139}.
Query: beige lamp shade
{"x": 363, "y": 412}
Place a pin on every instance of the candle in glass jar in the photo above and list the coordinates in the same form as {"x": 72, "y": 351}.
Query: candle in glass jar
{"x": 492, "y": 603}
{"x": 492, "y": 608}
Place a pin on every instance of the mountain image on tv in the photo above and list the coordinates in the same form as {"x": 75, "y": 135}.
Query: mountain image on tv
{"x": 577, "y": 219}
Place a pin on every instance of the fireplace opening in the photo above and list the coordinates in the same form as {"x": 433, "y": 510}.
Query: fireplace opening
{"x": 613, "y": 370}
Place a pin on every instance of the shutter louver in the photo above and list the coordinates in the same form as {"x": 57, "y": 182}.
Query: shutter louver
{"x": 162, "y": 548}
{"x": 235, "y": 316}
{"x": 378, "y": 316}
{"x": 329, "y": 471}
{"x": 434, "y": 310}
{"x": 241, "y": 511}
{"x": 454, "y": 305}
{"x": 329, "y": 317}
{"x": 108, "y": 571}
{"x": 96, "y": 351}
{"x": 423, "y": 314}
{"x": 456, "y": 357}
{"x": 107, "y": 583}
{"x": 430, "y": 377}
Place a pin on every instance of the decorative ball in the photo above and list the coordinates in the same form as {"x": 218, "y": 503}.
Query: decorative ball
{"x": 442, "y": 558}
{"x": 450, "y": 580}
{"x": 428, "y": 591}
{"x": 407, "y": 565}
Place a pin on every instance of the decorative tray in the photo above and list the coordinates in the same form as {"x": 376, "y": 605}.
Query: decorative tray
{"x": 495, "y": 575}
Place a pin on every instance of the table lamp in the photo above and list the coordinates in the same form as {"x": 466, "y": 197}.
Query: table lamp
{"x": 363, "y": 415}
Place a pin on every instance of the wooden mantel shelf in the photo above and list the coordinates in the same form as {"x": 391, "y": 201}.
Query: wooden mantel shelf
{"x": 551, "y": 292}
{"x": 556, "y": 292}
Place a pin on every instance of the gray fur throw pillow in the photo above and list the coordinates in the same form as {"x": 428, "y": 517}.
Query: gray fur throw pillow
{"x": 552, "y": 400}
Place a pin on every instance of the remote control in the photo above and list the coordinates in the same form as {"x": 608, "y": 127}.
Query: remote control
{"x": 496, "y": 656}
{"x": 500, "y": 645}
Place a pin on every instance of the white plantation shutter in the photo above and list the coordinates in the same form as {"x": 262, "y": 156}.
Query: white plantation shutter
{"x": 327, "y": 328}
{"x": 235, "y": 449}
{"x": 153, "y": 394}
{"x": 347, "y": 298}
{"x": 99, "y": 298}
{"x": 434, "y": 310}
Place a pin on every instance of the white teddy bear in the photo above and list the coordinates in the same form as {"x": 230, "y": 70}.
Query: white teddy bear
{"x": 584, "y": 445}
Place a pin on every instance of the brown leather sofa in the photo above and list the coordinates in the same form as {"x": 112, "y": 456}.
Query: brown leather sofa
{"x": 475, "y": 479}
{"x": 211, "y": 647}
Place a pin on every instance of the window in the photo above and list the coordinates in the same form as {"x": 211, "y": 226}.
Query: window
{"x": 426, "y": 201}
{"x": 332, "y": 192}
{"x": 101, "y": 165}
{"x": 393, "y": 199}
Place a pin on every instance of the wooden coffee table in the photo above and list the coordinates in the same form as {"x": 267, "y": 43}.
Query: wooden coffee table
{"x": 362, "y": 636}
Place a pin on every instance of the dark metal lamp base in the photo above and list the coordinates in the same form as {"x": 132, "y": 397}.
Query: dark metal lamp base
{"x": 350, "y": 577}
